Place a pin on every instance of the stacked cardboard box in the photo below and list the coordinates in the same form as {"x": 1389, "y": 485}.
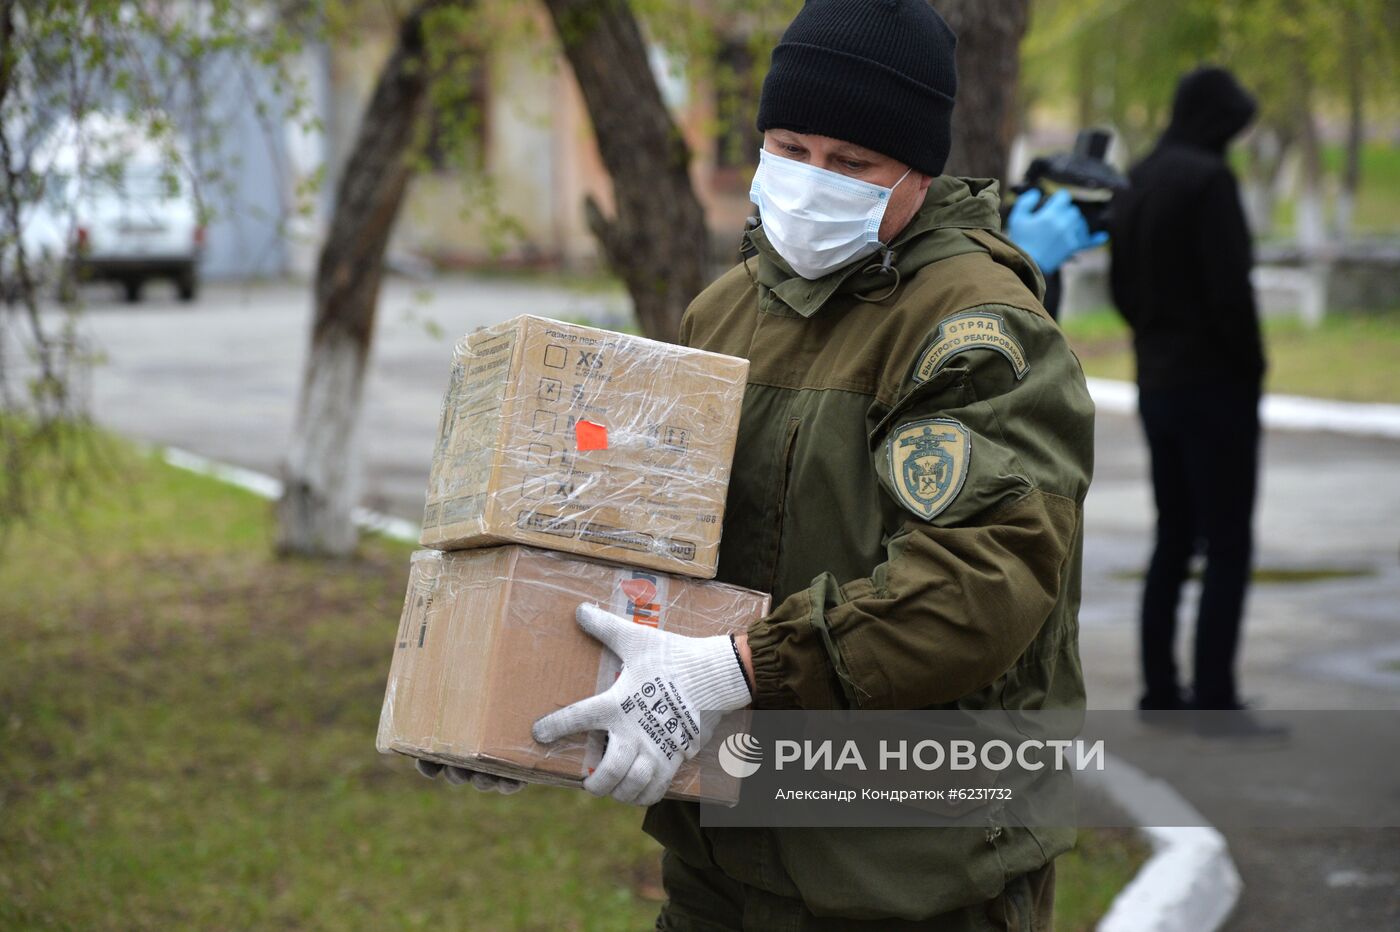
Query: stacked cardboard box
{"x": 585, "y": 441}
{"x": 613, "y": 452}
{"x": 487, "y": 644}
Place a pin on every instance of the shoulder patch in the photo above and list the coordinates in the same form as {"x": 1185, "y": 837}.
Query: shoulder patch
{"x": 928, "y": 462}
{"x": 969, "y": 331}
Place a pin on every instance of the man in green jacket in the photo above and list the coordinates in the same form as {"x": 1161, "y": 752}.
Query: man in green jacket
{"x": 913, "y": 455}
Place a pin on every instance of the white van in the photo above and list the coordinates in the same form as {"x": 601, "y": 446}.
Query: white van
{"x": 146, "y": 226}
{"x": 116, "y": 207}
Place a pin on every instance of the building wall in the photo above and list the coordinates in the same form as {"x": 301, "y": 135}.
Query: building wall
{"x": 250, "y": 201}
{"x": 513, "y": 214}
{"x": 543, "y": 163}
{"x": 242, "y": 239}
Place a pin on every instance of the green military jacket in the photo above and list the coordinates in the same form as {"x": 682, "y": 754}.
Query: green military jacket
{"x": 914, "y": 449}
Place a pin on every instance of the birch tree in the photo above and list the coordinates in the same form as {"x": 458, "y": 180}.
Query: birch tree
{"x": 82, "y": 87}
{"x": 656, "y": 242}
{"x": 321, "y": 477}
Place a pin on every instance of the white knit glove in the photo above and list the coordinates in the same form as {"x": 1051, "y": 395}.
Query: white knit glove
{"x": 663, "y": 708}
{"x": 486, "y": 782}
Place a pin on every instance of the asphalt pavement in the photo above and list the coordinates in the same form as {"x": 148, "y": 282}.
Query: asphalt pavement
{"x": 220, "y": 378}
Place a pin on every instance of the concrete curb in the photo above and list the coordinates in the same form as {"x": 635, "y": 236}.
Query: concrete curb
{"x": 1280, "y": 412}
{"x": 1189, "y": 884}
{"x": 267, "y": 487}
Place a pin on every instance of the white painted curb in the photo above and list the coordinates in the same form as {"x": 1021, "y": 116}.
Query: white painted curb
{"x": 1189, "y": 884}
{"x": 1280, "y": 412}
{"x": 267, "y": 487}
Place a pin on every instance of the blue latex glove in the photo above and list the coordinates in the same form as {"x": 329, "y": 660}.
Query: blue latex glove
{"x": 1053, "y": 233}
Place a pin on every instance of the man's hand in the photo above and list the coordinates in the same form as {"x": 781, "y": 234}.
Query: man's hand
{"x": 663, "y": 708}
{"x": 485, "y": 782}
{"x": 1053, "y": 233}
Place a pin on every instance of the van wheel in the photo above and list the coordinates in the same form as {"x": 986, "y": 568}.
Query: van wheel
{"x": 187, "y": 284}
{"x": 133, "y": 289}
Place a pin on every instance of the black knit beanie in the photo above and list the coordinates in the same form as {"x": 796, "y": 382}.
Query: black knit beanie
{"x": 878, "y": 73}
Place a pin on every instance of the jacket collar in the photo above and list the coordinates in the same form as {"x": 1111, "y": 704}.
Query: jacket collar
{"x": 951, "y": 205}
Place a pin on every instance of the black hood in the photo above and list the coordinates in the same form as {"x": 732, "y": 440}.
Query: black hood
{"x": 1210, "y": 109}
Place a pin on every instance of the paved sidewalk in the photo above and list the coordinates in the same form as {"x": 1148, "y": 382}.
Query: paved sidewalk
{"x": 1328, "y": 502}
{"x": 220, "y": 379}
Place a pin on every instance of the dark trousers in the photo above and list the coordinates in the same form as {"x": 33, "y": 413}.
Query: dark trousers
{"x": 1204, "y": 442}
{"x": 707, "y": 900}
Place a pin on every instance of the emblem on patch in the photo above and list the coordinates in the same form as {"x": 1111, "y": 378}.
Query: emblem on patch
{"x": 928, "y": 464}
{"x": 963, "y": 332}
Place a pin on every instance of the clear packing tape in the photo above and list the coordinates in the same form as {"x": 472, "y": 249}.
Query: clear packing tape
{"x": 487, "y": 644}
{"x": 585, "y": 441}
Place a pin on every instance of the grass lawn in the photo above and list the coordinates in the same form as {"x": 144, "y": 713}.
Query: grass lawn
{"x": 1087, "y": 879}
{"x": 1377, "y": 207}
{"x": 186, "y": 740}
{"x": 1351, "y": 358}
{"x": 1378, "y": 199}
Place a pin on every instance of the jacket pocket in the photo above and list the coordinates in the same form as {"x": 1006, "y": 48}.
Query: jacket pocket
{"x": 785, "y": 460}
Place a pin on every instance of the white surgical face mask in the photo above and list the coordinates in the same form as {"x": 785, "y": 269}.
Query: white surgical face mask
{"x": 817, "y": 220}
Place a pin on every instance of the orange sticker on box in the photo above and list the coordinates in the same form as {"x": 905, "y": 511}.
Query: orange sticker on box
{"x": 640, "y": 591}
{"x": 591, "y": 436}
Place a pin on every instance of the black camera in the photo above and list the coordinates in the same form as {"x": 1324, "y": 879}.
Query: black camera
{"x": 1090, "y": 180}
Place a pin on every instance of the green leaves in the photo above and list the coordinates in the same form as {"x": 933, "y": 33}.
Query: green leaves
{"x": 1117, "y": 61}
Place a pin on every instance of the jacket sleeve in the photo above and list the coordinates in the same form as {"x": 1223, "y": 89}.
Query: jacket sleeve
{"x": 1122, "y": 280}
{"x": 1124, "y": 256}
{"x": 1225, "y": 252}
{"x": 977, "y": 547}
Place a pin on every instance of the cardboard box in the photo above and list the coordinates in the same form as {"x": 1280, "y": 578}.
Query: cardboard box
{"x": 488, "y": 643}
{"x": 585, "y": 441}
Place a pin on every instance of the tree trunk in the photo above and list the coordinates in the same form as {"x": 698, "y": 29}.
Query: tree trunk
{"x": 1267, "y": 149}
{"x": 1086, "y": 81}
{"x": 657, "y": 242}
{"x": 984, "y": 120}
{"x": 322, "y": 470}
{"x": 1356, "y": 127}
{"x": 1310, "y": 222}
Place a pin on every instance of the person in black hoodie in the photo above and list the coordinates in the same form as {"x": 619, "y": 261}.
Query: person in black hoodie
{"x": 1181, "y": 257}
